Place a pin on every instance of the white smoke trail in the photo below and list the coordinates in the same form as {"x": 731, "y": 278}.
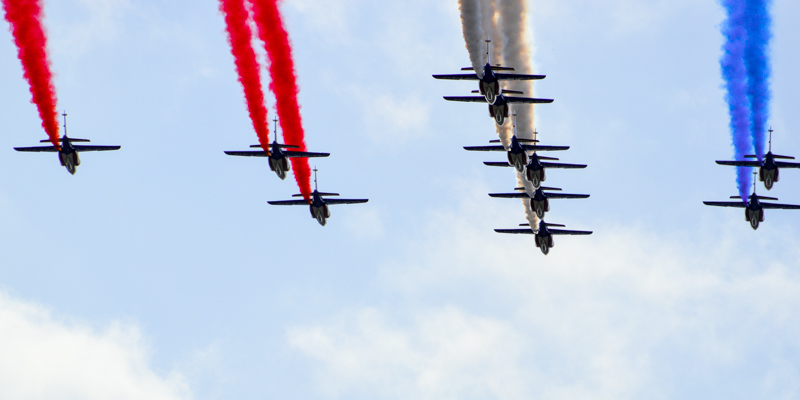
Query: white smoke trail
{"x": 517, "y": 54}
{"x": 472, "y": 27}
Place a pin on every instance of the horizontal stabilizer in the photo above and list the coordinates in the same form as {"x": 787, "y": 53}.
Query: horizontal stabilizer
{"x": 254, "y": 153}
{"x": 566, "y": 196}
{"x": 283, "y": 146}
{"x": 549, "y": 188}
{"x": 783, "y": 157}
{"x": 751, "y": 156}
{"x": 505, "y": 91}
{"x": 525, "y": 231}
{"x": 497, "y": 163}
{"x": 767, "y": 198}
{"x": 563, "y": 166}
{"x": 499, "y": 68}
{"x": 547, "y": 158}
{"x": 527, "y": 140}
{"x": 69, "y": 139}
{"x": 549, "y": 225}
{"x": 525, "y": 224}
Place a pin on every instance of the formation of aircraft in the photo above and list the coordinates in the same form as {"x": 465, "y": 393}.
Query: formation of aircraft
{"x": 67, "y": 151}
{"x": 544, "y": 234}
{"x": 278, "y": 158}
{"x": 769, "y": 168}
{"x": 318, "y": 205}
{"x": 540, "y": 199}
{"x": 754, "y": 207}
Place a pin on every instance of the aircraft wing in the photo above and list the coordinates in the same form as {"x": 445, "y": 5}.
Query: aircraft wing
{"x": 485, "y": 148}
{"x": 95, "y": 148}
{"x": 740, "y": 163}
{"x": 780, "y": 206}
{"x": 497, "y": 163}
{"x": 736, "y": 204}
{"x": 458, "y": 77}
{"x": 294, "y": 154}
{"x": 563, "y": 166}
{"x": 47, "y": 149}
{"x": 568, "y": 232}
{"x": 517, "y": 195}
{"x": 523, "y": 231}
{"x": 527, "y": 100}
{"x": 517, "y": 77}
{"x": 345, "y": 201}
{"x": 566, "y": 196}
{"x": 248, "y": 153}
{"x": 288, "y": 203}
{"x": 784, "y": 164}
{"x": 536, "y": 147}
{"x": 466, "y": 99}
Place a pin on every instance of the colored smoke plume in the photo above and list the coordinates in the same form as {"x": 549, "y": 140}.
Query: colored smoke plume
{"x": 516, "y": 54}
{"x": 474, "y": 36}
{"x": 757, "y": 22}
{"x": 240, "y": 38}
{"x": 25, "y": 17}
{"x": 283, "y": 84}
{"x": 734, "y": 72}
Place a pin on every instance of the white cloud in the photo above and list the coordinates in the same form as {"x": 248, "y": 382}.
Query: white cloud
{"x": 44, "y": 358}
{"x": 620, "y": 315}
{"x": 100, "y": 27}
{"x": 393, "y": 119}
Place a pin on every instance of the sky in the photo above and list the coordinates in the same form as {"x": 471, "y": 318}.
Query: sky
{"x": 159, "y": 271}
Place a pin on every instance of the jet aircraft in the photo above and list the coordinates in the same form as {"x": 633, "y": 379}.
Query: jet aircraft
{"x": 540, "y": 201}
{"x": 499, "y": 109}
{"x": 768, "y": 171}
{"x": 319, "y": 203}
{"x": 489, "y": 81}
{"x": 544, "y": 235}
{"x": 753, "y": 208}
{"x": 534, "y": 171}
{"x": 278, "y": 158}
{"x": 67, "y": 152}
{"x": 517, "y": 151}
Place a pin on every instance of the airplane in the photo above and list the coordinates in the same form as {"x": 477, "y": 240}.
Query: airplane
{"x": 517, "y": 152}
{"x": 318, "y": 204}
{"x": 540, "y": 201}
{"x": 534, "y": 171}
{"x": 67, "y": 152}
{"x": 544, "y": 235}
{"x": 499, "y": 109}
{"x": 489, "y": 82}
{"x": 768, "y": 171}
{"x": 278, "y": 158}
{"x": 753, "y": 208}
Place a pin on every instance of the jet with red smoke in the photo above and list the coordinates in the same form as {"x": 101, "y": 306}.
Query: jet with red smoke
{"x": 67, "y": 151}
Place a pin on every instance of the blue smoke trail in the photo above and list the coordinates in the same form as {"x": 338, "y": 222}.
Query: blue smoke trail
{"x": 758, "y": 23}
{"x": 734, "y": 72}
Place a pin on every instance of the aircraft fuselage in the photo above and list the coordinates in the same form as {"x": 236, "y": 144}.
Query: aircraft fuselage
{"x": 278, "y": 162}
{"x": 534, "y": 171}
{"x": 540, "y": 203}
{"x": 489, "y": 85}
{"x": 319, "y": 210}
{"x": 517, "y": 156}
{"x": 68, "y": 157}
{"x": 754, "y": 213}
{"x": 544, "y": 240}
{"x": 499, "y": 110}
{"x": 768, "y": 172}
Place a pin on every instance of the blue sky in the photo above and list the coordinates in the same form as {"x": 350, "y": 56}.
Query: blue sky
{"x": 159, "y": 270}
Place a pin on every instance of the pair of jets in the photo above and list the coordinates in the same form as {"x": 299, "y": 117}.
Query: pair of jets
{"x": 769, "y": 173}
{"x": 278, "y": 155}
{"x": 491, "y": 92}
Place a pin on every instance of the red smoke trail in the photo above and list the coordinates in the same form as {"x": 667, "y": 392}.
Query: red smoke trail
{"x": 25, "y": 17}
{"x": 283, "y": 84}
{"x": 240, "y": 38}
